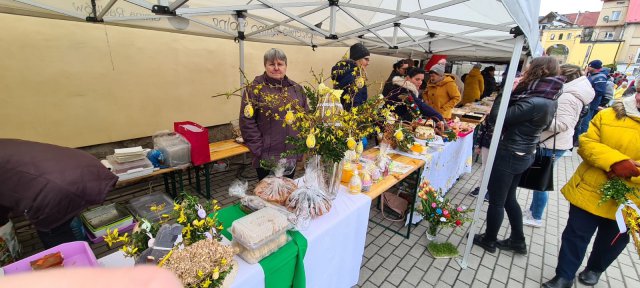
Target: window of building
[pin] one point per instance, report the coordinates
(560, 36)
(615, 15)
(553, 36)
(608, 35)
(569, 36)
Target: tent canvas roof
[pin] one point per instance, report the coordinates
(464, 29)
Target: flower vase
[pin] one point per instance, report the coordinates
(327, 176)
(432, 232)
(332, 173)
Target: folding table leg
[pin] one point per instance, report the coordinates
(413, 203)
(207, 177)
(197, 171)
(167, 189)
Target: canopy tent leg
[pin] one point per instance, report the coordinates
(241, 25)
(502, 111)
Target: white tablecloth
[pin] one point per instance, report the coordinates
(443, 165)
(335, 245)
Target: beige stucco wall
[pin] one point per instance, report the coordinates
(77, 84)
(629, 50)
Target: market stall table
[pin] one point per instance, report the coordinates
(335, 245)
(445, 164)
(335, 240)
(391, 180)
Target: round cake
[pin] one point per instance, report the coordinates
(425, 133)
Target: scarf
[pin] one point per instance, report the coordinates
(547, 87)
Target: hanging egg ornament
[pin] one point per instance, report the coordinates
(351, 144)
(399, 135)
(248, 110)
(360, 82)
(311, 140)
(289, 117)
(359, 147)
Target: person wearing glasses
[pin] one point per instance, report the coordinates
(399, 70)
(350, 75)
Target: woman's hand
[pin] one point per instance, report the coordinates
(624, 169)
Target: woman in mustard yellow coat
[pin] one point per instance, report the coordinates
(442, 92)
(609, 149)
(473, 85)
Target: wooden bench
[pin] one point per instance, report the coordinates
(173, 176)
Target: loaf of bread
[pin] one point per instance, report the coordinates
(275, 189)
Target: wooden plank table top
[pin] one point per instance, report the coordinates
(225, 149)
(392, 179)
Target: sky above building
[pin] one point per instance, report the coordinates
(569, 6)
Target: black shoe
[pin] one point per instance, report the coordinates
(518, 247)
(589, 277)
(475, 193)
(489, 246)
(558, 282)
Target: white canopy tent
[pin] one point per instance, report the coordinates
(474, 30)
(462, 29)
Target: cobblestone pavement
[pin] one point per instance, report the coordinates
(390, 260)
(393, 261)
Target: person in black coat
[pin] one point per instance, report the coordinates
(404, 94)
(350, 75)
(399, 69)
(489, 81)
(531, 108)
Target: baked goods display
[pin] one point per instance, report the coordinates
(48, 261)
(253, 256)
(259, 227)
(425, 133)
(275, 189)
(260, 233)
(308, 201)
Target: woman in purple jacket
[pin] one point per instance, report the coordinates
(263, 132)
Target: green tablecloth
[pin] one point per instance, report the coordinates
(283, 268)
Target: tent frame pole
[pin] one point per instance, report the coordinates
(241, 24)
(502, 112)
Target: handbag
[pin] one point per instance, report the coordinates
(539, 176)
(393, 205)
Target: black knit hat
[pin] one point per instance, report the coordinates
(358, 51)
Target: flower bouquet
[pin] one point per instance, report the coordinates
(628, 214)
(190, 248)
(440, 212)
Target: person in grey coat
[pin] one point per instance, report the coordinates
(262, 132)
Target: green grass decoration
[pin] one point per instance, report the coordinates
(442, 250)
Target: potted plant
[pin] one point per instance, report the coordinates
(439, 212)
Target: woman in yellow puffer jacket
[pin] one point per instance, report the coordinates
(442, 92)
(609, 149)
(473, 85)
